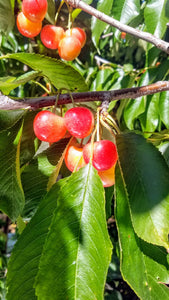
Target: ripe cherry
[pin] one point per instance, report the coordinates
(74, 156)
(69, 48)
(49, 127)
(79, 121)
(104, 154)
(79, 33)
(26, 27)
(35, 10)
(108, 177)
(51, 36)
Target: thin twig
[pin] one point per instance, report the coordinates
(162, 45)
(7, 103)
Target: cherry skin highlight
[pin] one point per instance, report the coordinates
(26, 27)
(51, 36)
(74, 156)
(69, 48)
(108, 177)
(49, 127)
(104, 154)
(35, 10)
(79, 121)
(79, 33)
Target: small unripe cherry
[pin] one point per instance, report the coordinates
(74, 156)
(26, 27)
(49, 127)
(108, 177)
(104, 154)
(79, 33)
(51, 35)
(35, 10)
(69, 48)
(79, 121)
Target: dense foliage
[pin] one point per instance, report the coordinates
(76, 239)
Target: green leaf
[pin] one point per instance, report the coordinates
(9, 118)
(132, 110)
(164, 108)
(146, 176)
(24, 261)
(6, 16)
(164, 149)
(125, 11)
(159, 9)
(50, 15)
(143, 266)
(11, 194)
(60, 74)
(9, 83)
(77, 251)
(98, 26)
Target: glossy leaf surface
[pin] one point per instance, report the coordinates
(146, 176)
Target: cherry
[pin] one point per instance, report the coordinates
(74, 156)
(79, 33)
(79, 121)
(26, 27)
(108, 177)
(104, 154)
(49, 127)
(35, 10)
(51, 36)
(69, 48)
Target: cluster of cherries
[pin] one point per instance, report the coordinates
(79, 122)
(29, 22)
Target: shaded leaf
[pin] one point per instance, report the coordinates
(146, 176)
(60, 74)
(143, 266)
(10, 118)
(164, 108)
(6, 16)
(77, 251)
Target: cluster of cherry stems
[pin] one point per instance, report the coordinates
(29, 23)
(79, 123)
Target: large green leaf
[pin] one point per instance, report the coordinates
(11, 194)
(24, 261)
(143, 266)
(146, 176)
(77, 251)
(6, 16)
(10, 118)
(156, 15)
(60, 74)
(97, 25)
(132, 110)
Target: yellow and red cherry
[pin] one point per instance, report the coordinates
(107, 177)
(51, 35)
(79, 33)
(74, 156)
(26, 27)
(79, 121)
(49, 127)
(104, 154)
(69, 48)
(35, 10)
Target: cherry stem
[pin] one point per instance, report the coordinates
(98, 124)
(42, 86)
(107, 126)
(56, 102)
(92, 144)
(112, 122)
(57, 14)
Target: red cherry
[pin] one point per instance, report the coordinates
(79, 33)
(104, 154)
(26, 27)
(49, 127)
(35, 10)
(74, 156)
(51, 36)
(69, 48)
(79, 121)
(108, 177)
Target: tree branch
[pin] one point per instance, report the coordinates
(162, 45)
(7, 103)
